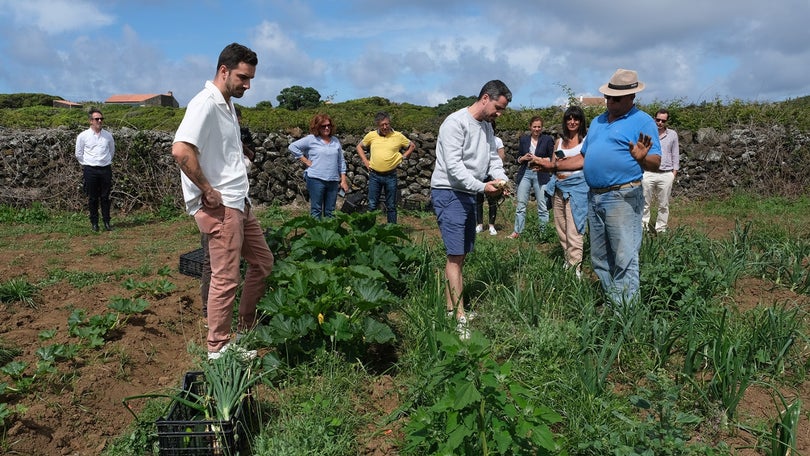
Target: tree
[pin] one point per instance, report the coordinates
(297, 97)
(454, 104)
(264, 104)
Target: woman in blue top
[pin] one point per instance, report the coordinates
(321, 153)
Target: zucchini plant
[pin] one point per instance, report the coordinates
(333, 283)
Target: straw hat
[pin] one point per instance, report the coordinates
(623, 82)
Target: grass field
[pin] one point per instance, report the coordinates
(362, 359)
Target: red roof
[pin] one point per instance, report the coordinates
(131, 98)
(592, 101)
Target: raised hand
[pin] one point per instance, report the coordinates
(639, 149)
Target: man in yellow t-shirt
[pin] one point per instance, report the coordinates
(385, 146)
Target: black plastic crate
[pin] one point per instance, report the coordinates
(416, 204)
(182, 433)
(191, 263)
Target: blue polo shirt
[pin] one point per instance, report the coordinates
(607, 148)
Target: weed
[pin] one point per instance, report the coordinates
(101, 249)
(140, 438)
(477, 408)
(317, 410)
(36, 214)
(158, 288)
(664, 429)
(18, 290)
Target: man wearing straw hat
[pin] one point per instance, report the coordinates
(621, 144)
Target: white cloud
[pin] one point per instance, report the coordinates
(57, 16)
(418, 51)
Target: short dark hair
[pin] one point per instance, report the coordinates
(535, 119)
(382, 115)
(495, 89)
(235, 53)
(663, 111)
(92, 111)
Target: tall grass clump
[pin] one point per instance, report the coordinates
(20, 290)
(318, 408)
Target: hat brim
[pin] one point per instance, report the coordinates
(617, 93)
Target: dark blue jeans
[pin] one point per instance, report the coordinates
(322, 197)
(97, 186)
(378, 182)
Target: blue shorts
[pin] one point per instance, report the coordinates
(455, 213)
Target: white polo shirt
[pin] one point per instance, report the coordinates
(210, 124)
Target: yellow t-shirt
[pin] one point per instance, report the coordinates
(384, 151)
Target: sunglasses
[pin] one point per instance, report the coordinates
(661, 120)
(326, 126)
(98, 119)
(614, 97)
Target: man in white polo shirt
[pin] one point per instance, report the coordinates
(208, 148)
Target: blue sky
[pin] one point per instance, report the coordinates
(415, 51)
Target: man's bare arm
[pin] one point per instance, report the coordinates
(185, 154)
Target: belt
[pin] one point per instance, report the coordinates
(387, 173)
(97, 167)
(632, 184)
(662, 171)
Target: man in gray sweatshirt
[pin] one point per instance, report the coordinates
(465, 155)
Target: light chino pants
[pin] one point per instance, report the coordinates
(231, 234)
(657, 187)
(570, 239)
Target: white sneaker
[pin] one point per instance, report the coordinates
(243, 353)
(492, 231)
(479, 228)
(462, 329)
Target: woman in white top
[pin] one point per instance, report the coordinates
(568, 189)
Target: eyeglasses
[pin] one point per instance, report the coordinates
(614, 97)
(98, 119)
(661, 120)
(326, 126)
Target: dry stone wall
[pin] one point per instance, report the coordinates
(39, 166)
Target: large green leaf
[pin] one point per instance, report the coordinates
(465, 395)
(283, 328)
(339, 326)
(377, 332)
(370, 294)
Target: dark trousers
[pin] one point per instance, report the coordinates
(376, 184)
(97, 186)
(479, 208)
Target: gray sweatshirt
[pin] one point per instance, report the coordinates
(465, 154)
